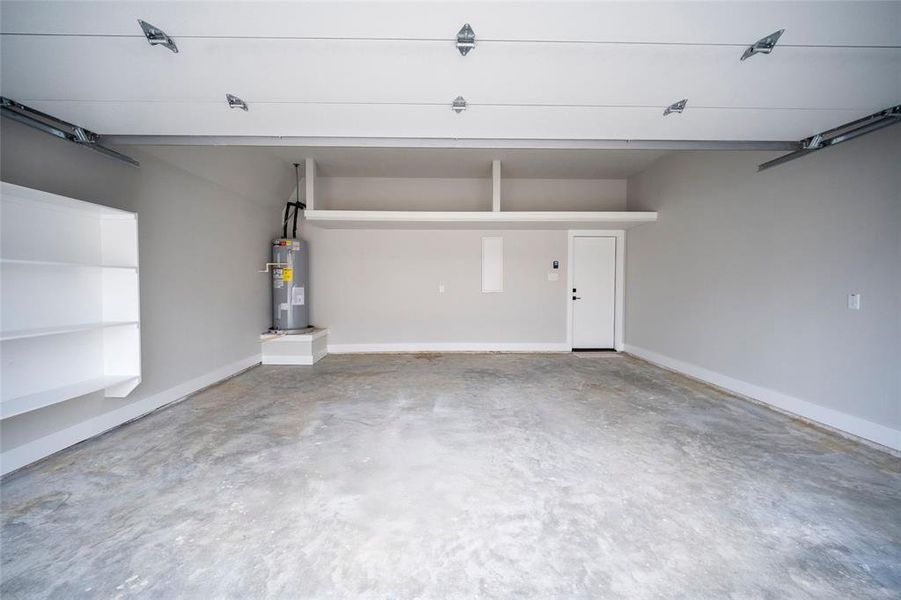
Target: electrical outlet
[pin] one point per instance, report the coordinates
(854, 301)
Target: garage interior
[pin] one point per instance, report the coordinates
(450, 299)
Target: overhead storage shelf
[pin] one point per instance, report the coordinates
(376, 219)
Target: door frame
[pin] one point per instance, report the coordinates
(619, 283)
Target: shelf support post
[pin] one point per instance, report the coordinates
(496, 186)
(309, 175)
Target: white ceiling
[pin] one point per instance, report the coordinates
(612, 68)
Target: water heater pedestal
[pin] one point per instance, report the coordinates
(295, 349)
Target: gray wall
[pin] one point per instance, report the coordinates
(563, 194)
(747, 274)
(203, 304)
(450, 194)
(381, 287)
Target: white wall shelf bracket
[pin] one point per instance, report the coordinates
(309, 176)
(496, 186)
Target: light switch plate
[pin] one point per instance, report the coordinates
(553, 275)
(440, 288)
(854, 301)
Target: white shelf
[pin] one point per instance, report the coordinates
(22, 334)
(28, 196)
(376, 219)
(56, 263)
(16, 406)
(69, 300)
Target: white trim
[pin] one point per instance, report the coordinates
(832, 419)
(620, 300)
(25, 454)
(448, 347)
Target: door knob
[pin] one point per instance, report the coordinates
(577, 298)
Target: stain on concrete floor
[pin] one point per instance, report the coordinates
(457, 476)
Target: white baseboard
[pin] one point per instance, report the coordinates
(830, 418)
(25, 454)
(448, 347)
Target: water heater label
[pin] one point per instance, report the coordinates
(287, 274)
(297, 296)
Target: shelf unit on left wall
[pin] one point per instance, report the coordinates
(69, 305)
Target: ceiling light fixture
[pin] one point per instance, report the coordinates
(156, 36)
(235, 102)
(466, 39)
(675, 107)
(459, 104)
(763, 46)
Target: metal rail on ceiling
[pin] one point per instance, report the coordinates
(57, 127)
(837, 135)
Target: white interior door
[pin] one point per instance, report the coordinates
(594, 292)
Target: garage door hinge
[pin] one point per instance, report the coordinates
(466, 39)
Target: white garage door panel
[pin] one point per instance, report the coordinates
(70, 68)
(84, 68)
(707, 75)
(836, 23)
(156, 118)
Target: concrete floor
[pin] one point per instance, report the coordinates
(457, 476)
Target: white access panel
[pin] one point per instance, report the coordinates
(69, 302)
(594, 292)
